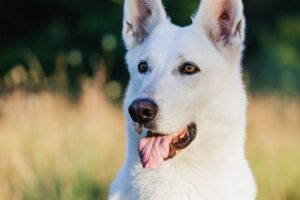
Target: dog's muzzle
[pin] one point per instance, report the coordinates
(157, 147)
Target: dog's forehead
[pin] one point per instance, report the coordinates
(170, 43)
(159, 43)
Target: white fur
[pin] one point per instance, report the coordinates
(213, 166)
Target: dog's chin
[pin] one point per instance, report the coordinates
(156, 147)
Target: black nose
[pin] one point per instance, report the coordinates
(143, 110)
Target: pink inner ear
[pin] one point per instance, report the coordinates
(222, 21)
(225, 21)
(144, 14)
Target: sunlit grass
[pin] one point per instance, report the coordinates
(274, 146)
(53, 149)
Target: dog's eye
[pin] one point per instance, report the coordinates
(189, 68)
(143, 67)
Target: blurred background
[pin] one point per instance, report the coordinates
(62, 80)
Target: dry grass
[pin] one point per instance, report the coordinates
(52, 149)
(274, 147)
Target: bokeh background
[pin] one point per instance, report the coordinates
(62, 80)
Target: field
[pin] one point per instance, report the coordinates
(53, 149)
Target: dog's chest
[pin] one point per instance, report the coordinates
(180, 185)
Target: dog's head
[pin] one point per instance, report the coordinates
(180, 75)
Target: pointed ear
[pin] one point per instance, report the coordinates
(223, 21)
(140, 18)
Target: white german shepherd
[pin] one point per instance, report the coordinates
(185, 105)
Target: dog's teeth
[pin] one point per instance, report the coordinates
(138, 128)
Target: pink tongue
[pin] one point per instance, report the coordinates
(153, 150)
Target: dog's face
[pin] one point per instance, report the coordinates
(176, 72)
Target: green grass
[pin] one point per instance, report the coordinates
(51, 149)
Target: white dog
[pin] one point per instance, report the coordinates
(185, 105)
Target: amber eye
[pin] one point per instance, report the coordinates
(189, 68)
(143, 67)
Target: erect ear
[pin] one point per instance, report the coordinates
(140, 18)
(223, 21)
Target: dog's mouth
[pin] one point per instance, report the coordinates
(156, 147)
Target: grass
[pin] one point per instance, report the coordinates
(52, 149)
(274, 146)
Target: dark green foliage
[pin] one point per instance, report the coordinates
(88, 36)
